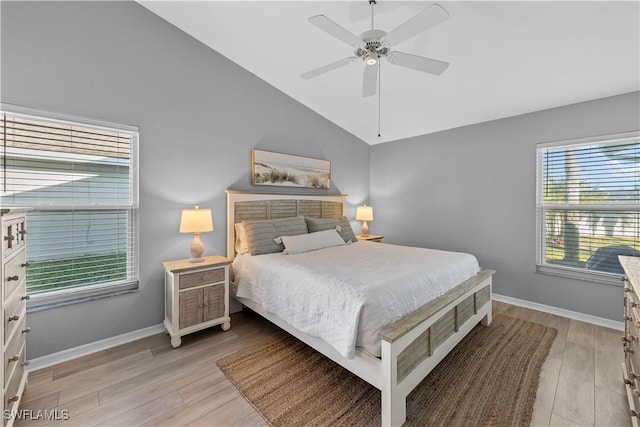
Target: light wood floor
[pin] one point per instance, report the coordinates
(149, 383)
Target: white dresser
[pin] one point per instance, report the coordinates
(631, 338)
(13, 375)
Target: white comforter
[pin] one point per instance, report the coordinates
(347, 294)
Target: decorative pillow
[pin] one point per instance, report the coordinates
(321, 224)
(261, 234)
(241, 239)
(311, 241)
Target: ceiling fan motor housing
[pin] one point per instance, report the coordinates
(373, 44)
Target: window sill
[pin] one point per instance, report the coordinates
(576, 274)
(61, 298)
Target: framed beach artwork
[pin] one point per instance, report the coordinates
(269, 168)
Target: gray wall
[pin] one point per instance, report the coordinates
(473, 189)
(199, 116)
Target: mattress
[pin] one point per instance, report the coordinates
(347, 294)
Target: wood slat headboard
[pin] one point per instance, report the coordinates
(251, 206)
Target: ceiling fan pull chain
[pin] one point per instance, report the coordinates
(379, 94)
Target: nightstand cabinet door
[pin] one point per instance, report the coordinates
(190, 308)
(214, 302)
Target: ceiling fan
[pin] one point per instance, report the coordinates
(374, 45)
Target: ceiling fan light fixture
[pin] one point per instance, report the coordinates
(371, 58)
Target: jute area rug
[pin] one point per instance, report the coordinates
(490, 378)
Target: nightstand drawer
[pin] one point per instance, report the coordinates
(14, 273)
(190, 280)
(370, 237)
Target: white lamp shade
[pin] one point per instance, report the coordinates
(364, 213)
(196, 221)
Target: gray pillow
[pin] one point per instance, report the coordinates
(321, 224)
(260, 234)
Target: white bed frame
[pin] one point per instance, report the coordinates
(412, 346)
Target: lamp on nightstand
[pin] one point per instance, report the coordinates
(196, 221)
(364, 213)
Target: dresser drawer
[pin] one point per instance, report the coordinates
(14, 349)
(632, 298)
(14, 273)
(632, 396)
(11, 396)
(14, 313)
(190, 280)
(13, 235)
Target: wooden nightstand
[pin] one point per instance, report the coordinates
(370, 237)
(196, 296)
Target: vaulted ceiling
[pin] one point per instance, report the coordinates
(506, 57)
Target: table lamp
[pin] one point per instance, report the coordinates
(196, 221)
(364, 213)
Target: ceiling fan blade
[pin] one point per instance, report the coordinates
(429, 17)
(335, 30)
(420, 63)
(326, 68)
(370, 80)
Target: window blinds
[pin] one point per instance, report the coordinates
(588, 201)
(81, 183)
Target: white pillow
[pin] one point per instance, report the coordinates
(311, 241)
(242, 246)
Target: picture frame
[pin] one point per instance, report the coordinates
(287, 170)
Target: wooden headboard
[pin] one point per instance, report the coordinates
(250, 206)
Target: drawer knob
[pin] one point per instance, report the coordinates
(26, 264)
(629, 338)
(13, 318)
(633, 304)
(10, 278)
(26, 330)
(13, 358)
(628, 350)
(25, 297)
(9, 238)
(13, 399)
(23, 232)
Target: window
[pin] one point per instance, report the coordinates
(588, 202)
(80, 181)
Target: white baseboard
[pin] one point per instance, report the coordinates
(600, 321)
(83, 350)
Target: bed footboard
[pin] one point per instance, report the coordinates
(414, 345)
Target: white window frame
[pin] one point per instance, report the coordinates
(61, 297)
(541, 207)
